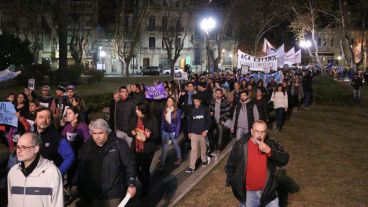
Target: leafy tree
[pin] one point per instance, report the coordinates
(14, 51)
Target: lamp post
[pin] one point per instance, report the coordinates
(208, 24)
(305, 44)
(102, 55)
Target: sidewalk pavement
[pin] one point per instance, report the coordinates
(173, 183)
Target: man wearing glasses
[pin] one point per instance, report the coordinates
(251, 167)
(35, 181)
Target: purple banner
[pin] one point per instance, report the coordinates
(156, 92)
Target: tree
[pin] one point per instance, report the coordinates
(172, 31)
(255, 19)
(305, 23)
(129, 21)
(214, 48)
(14, 51)
(62, 22)
(82, 26)
(352, 16)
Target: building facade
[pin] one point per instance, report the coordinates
(36, 21)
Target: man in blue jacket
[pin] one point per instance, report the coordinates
(199, 122)
(54, 146)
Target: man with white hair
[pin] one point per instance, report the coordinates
(106, 168)
(35, 181)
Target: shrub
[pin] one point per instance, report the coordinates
(71, 75)
(35, 71)
(98, 75)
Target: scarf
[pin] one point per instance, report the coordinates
(169, 110)
(139, 145)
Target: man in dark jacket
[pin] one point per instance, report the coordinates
(185, 104)
(205, 94)
(137, 93)
(245, 113)
(106, 168)
(357, 84)
(54, 146)
(199, 122)
(251, 167)
(307, 87)
(220, 111)
(125, 116)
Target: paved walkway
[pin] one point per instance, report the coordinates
(173, 183)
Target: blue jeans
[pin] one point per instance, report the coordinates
(307, 98)
(165, 140)
(279, 112)
(253, 200)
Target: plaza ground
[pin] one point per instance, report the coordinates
(327, 146)
(328, 159)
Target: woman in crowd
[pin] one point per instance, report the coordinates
(296, 92)
(75, 130)
(173, 90)
(77, 133)
(21, 105)
(262, 105)
(79, 103)
(170, 129)
(244, 84)
(144, 144)
(30, 117)
(280, 104)
(261, 87)
(32, 108)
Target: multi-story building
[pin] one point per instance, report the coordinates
(332, 47)
(100, 50)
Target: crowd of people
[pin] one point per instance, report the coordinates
(103, 159)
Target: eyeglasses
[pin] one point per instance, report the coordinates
(21, 148)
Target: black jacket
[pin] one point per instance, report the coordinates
(199, 120)
(206, 97)
(262, 106)
(117, 170)
(150, 123)
(250, 114)
(138, 97)
(224, 109)
(183, 104)
(125, 116)
(236, 167)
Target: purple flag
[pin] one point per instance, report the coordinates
(156, 92)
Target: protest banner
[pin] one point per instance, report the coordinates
(8, 74)
(181, 76)
(8, 114)
(257, 63)
(156, 92)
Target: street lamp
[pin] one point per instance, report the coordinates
(305, 44)
(208, 24)
(102, 55)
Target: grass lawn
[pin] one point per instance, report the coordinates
(328, 159)
(106, 86)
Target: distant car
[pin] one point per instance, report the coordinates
(167, 71)
(151, 70)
